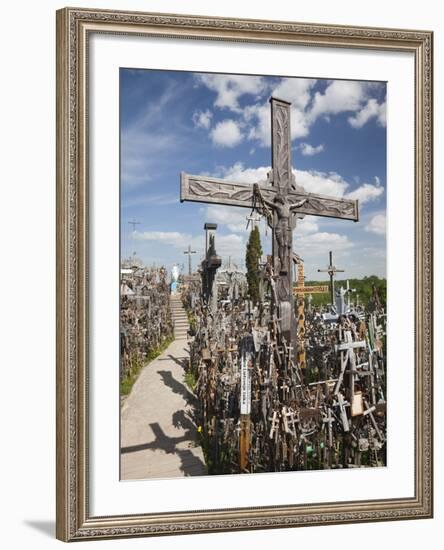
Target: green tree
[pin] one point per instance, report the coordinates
(252, 258)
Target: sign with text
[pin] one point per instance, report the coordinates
(321, 289)
(246, 367)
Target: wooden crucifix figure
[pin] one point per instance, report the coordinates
(282, 200)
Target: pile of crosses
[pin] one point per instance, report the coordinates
(145, 318)
(282, 388)
(265, 406)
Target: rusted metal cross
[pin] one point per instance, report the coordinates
(282, 200)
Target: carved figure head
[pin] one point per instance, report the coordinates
(279, 198)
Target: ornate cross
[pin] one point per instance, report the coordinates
(281, 199)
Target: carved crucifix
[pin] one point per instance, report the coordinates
(282, 198)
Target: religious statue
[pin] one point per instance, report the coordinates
(282, 223)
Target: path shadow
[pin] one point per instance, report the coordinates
(182, 361)
(189, 463)
(47, 527)
(177, 387)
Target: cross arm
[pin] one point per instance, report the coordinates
(219, 191)
(313, 204)
(215, 191)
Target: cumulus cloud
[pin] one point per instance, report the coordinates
(202, 119)
(226, 134)
(372, 109)
(307, 225)
(377, 224)
(166, 237)
(309, 150)
(296, 91)
(319, 242)
(324, 183)
(234, 218)
(366, 192)
(230, 88)
(240, 174)
(342, 96)
(339, 96)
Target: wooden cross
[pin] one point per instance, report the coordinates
(281, 199)
(254, 219)
(134, 223)
(189, 252)
(299, 291)
(331, 270)
(329, 420)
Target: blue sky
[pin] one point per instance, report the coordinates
(219, 125)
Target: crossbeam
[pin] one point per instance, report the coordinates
(219, 191)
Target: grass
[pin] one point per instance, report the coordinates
(137, 365)
(190, 380)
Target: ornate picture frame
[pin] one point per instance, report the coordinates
(74, 28)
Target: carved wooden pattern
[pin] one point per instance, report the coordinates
(212, 190)
(281, 145)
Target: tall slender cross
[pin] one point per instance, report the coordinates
(134, 223)
(189, 252)
(282, 200)
(254, 219)
(331, 270)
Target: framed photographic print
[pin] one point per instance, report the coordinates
(244, 274)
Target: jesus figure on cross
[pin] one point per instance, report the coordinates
(283, 223)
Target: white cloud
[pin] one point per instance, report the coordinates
(202, 119)
(321, 182)
(229, 88)
(344, 96)
(226, 245)
(309, 150)
(226, 133)
(377, 224)
(366, 192)
(339, 96)
(240, 174)
(307, 225)
(230, 245)
(296, 91)
(173, 238)
(319, 242)
(372, 109)
(234, 218)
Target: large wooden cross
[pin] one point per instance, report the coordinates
(281, 197)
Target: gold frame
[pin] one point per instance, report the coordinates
(73, 519)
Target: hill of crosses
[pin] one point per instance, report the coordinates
(278, 383)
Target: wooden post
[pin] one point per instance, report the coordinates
(244, 449)
(301, 317)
